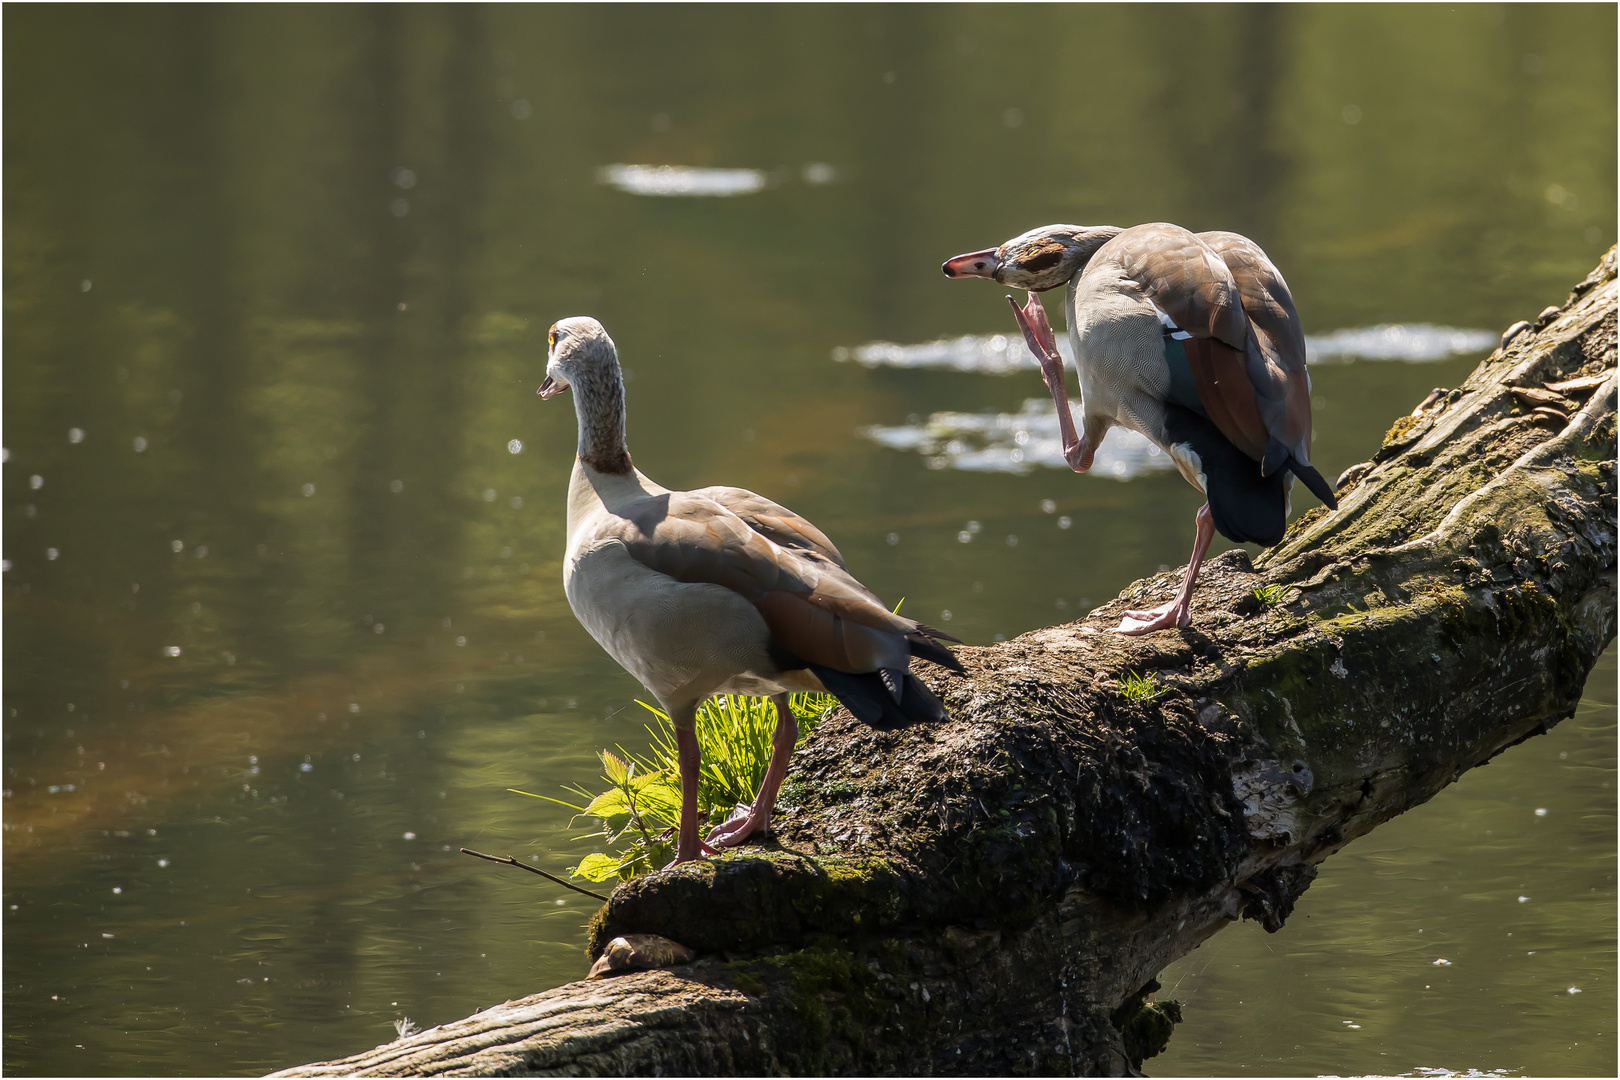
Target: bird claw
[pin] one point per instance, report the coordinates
(1169, 616)
(1038, 332)
(703, 849)
(738, 827)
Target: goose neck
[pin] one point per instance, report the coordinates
(599, 403)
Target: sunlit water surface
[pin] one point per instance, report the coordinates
(283, 515)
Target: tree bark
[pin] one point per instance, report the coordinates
(995, 893)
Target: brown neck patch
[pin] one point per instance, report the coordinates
(615, 462)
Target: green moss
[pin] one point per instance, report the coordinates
(1147, 1031)
(840, 791)
(744, 978)
(755, 899)
(835, 994)
(1399, 429)
(1144, 1026)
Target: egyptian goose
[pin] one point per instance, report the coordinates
(717, 591)
(1190, 339)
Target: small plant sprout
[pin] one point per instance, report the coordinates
(1270, 595)
(1136, 687)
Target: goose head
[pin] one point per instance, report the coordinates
(581, 357)
(1038, 260)
(578, 350)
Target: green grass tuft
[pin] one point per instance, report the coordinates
(640, 808)
(1270, 595)
(1136, 687)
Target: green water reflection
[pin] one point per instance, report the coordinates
(284, 622)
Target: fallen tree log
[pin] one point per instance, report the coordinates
(995, 894)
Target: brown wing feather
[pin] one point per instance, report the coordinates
(1279, 374)
(1221, 375)
(813, 633)
(773, 521)
(1183, 278)
(1188, 281)
(1264, 295)
(693, 539)
(814, 609)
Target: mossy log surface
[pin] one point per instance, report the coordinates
(995, 894)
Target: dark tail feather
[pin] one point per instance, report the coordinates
(1276, 457)
(929, 649)
(936, 634)
(863, 695)
(1313, 480)
(868, 699)
(920, 702)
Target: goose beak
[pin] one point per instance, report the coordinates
(551, 388)
(983, 264)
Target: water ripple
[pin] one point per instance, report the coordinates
(1016, 443)
(1410, 343)
(681, 180)
(1002, 354)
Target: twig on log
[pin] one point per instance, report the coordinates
(509, 861)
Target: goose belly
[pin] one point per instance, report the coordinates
(1119, 348)
(682, 641)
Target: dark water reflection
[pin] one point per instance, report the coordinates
(285, 620)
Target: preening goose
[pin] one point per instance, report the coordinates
(1190, 339)
(717, 591)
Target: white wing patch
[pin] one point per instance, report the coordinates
(1169, 324)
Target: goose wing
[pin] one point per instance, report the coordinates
(1184, 278)
(1285, 400)
(812, 606)
(1195, 292)
(773, 521)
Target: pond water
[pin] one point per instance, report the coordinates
(283, 514)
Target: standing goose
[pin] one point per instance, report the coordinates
(1190, 339)
(717, 591)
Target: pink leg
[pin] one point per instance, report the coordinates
(758, 818)
(1178, 612)
(1038, 333)
(687, 844)
(686, 749)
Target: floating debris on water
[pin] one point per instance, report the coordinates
(1003, 354)
(1016, 443)
(681, 180)
(1442, 962)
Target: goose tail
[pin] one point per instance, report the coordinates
(869, 698)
